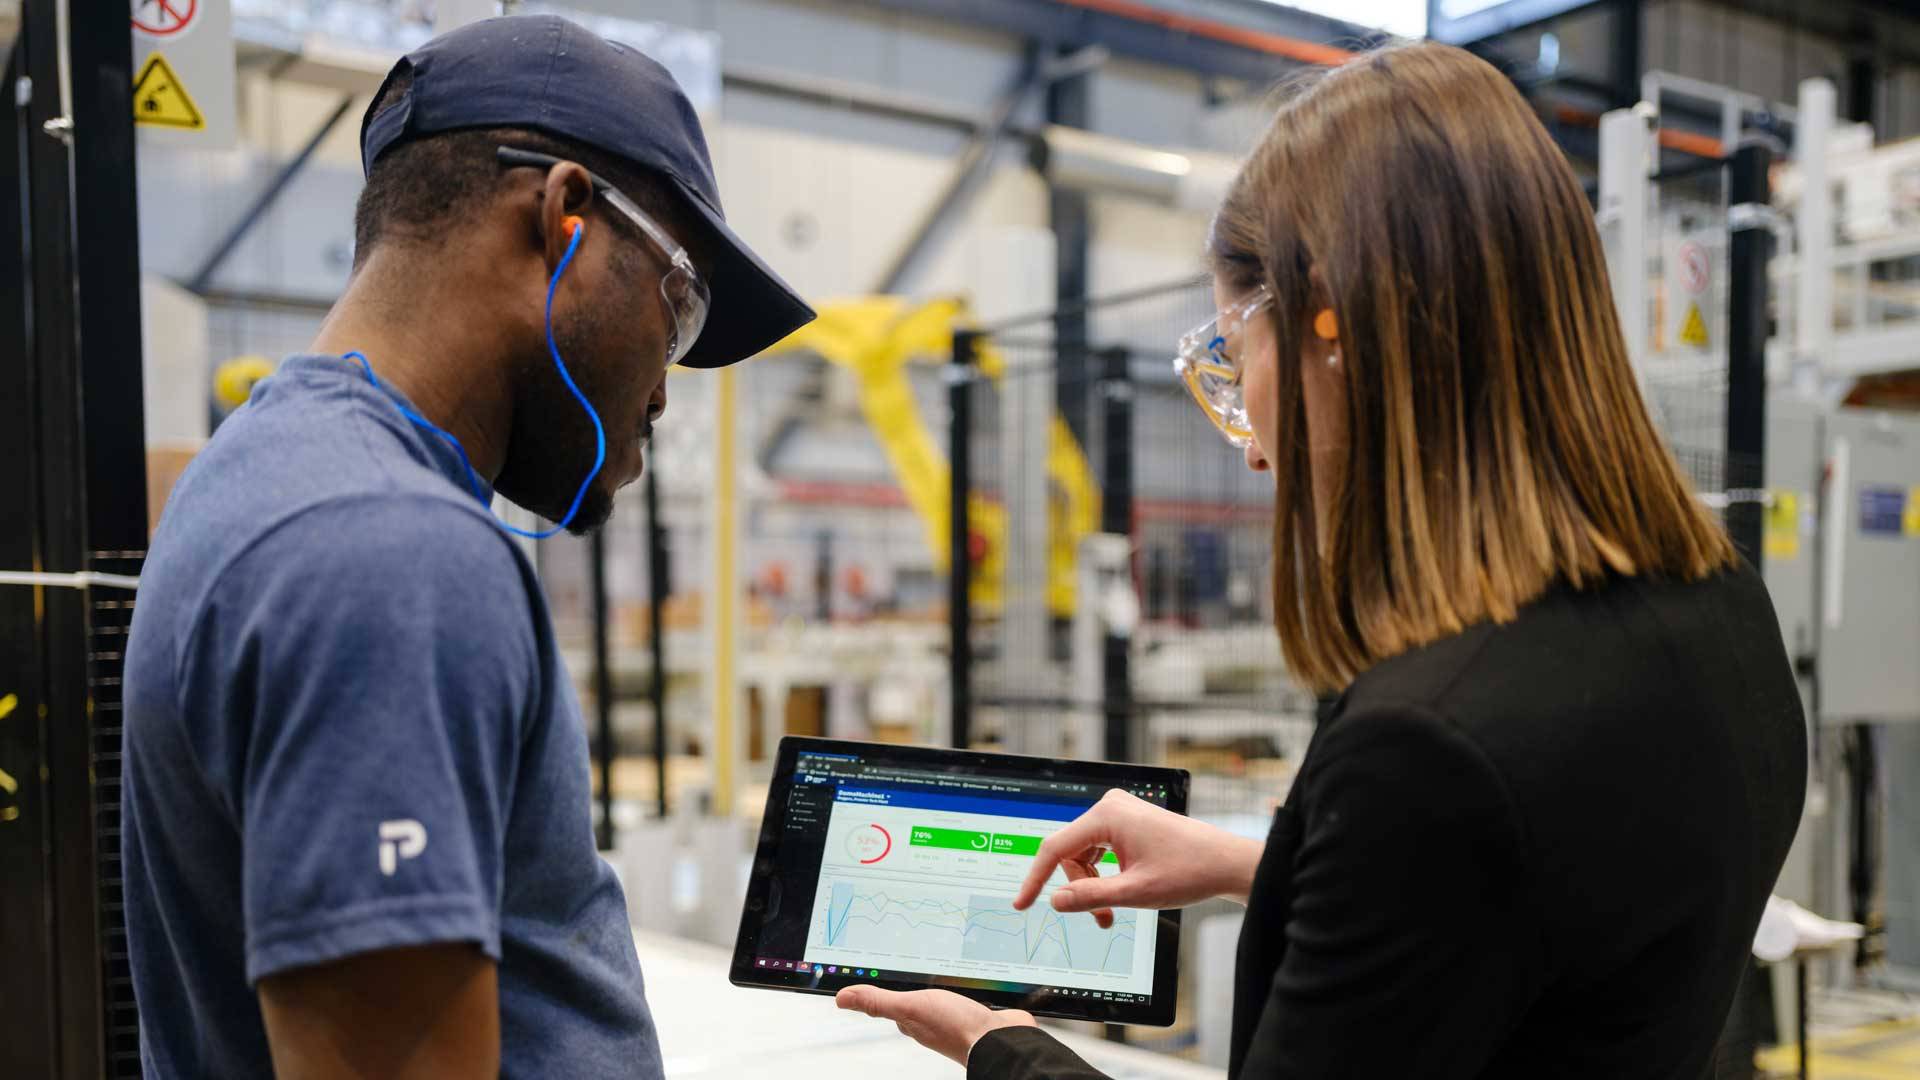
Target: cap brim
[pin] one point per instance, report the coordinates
(749, 307)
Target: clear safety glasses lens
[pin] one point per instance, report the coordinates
(1205, 363)
(687, 301)
(1216, 388)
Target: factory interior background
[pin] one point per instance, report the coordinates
(999, 209)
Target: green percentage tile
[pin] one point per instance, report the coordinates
(1016, 845)
(956, 839)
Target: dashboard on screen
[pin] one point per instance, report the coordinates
(898, 866)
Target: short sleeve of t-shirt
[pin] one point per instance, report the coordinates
(359, 683)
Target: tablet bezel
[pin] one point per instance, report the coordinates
(1157, 1010)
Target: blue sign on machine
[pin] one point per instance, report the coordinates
(1881, 510)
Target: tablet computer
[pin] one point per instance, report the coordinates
(897, 866)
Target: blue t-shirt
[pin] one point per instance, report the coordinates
(348, 729)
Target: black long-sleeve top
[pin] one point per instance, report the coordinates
(1529, 850)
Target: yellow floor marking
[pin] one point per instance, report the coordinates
(1852, 1055)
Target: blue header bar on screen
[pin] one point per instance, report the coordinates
(876, 795)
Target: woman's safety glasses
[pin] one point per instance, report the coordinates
(681, 288)
(1208, 361)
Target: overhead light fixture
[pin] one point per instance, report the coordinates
(1401, 18)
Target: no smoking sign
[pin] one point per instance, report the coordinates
(1696, 268)
(164, 18)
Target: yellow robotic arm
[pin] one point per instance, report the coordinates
(875, 338)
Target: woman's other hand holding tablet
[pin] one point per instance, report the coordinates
(1167, 860)
(940, 1020)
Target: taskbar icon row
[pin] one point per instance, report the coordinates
(808, 967)
(817, 969)
(1095, 995)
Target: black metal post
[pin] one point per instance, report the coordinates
(823, 576)
(1863, 83)
(1751, 247)
(26, 893)
(1864, 841)
(960, 378)
(1628, 52)
(1116, 518)
(1800, 1025)
(1068, 212)
(107, 228)
(107, 274)
(76, 988)
(602, 687)
(660, 586)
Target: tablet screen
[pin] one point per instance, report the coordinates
(899, 865)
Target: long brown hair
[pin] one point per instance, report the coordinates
(1498, 439)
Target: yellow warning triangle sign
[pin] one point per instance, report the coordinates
(158, 98)
(1694, 330)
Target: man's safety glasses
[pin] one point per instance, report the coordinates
(1208, 360)
(685, 294)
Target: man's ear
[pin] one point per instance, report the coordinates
(567, 193)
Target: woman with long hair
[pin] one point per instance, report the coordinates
(1534, 835)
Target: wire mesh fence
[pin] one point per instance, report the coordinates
(1686, 369)
(1117, 552)
(1689, 321)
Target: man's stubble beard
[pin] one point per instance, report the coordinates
(551, 447)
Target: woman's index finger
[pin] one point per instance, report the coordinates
(1083, 832)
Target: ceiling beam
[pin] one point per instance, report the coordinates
(1222, 42)
(1894, 24)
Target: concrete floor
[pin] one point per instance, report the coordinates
(711, 1029)
(1889, 1050)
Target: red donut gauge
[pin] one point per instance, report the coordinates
(869, 844)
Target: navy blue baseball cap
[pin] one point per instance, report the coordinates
(550, 75)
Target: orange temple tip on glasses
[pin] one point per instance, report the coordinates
(1325, 326)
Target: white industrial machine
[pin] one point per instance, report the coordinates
(1841, 488)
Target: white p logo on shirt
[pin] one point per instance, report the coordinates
(401, 839)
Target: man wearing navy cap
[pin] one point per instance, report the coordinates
(358, 837)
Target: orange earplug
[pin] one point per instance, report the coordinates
(1325, 326)
(573, 223)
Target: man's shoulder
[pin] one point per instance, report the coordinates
(403, 541)
(349, 587)
(308, 488)
(368, 557)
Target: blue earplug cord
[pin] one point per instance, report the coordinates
(599, 432)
